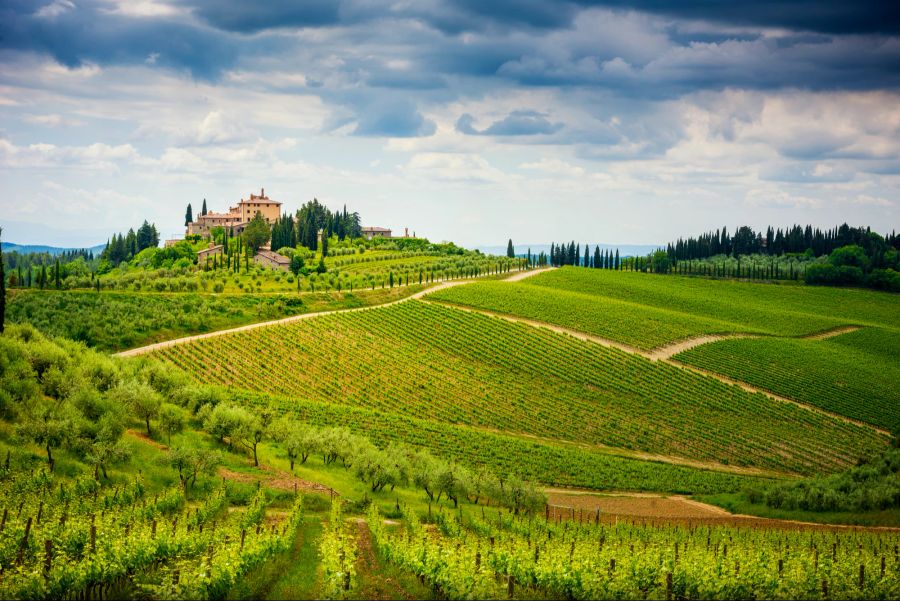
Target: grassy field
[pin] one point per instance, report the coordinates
(116, 321)
(857, 378)
(458, 367)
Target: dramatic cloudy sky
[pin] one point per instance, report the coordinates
(472, 120)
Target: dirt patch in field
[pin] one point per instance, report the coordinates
(585, 506)
(655, 509)
(278, 479)
(142, 436)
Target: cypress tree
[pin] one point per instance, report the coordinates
(510, 251)
(56, 276)
(617, 259)
(587, 256)
(188, 215)
(203, 210)
(43, 276)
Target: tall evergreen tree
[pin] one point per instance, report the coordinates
(617, 259)
(56, 275)
(510, 251)
(203, 210)
(188, 215)
(587, 256)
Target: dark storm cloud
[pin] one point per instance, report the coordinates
(517, 123)
(248, 17)
(825, 16)
(82, 32)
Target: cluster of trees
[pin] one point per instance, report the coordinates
(563, 254)
(59, 395)
(851, 265)
(873, 484)
(42, 270)
(796, 239)
(124, 247)
(314, 216)
(380, 469)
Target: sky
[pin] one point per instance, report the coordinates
(607, 121)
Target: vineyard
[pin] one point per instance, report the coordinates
(785, 310)
(63, 539)
(116, 321)
(499, 555)
(417, 359)
(623, 321)
(833, 375)
(549, 462)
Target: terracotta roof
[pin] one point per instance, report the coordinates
(273, 256)
(375, 229)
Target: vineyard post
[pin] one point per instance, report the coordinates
(612, 565)
(780, 566)
(40, 511)
(510, 585)
(669, 586)
(153, 529)
(93, 536)
(24, 544)
(882, 566)
(48, 557)
(477, 560)
(862, 576)
(3, 520)
(824, 588)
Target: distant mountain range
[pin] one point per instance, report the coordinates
(53, 250)
(625, 250)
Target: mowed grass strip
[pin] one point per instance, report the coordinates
(784, 310)
(835, 376)
(627, 322)
(457, 367)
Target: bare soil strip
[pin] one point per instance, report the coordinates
(274, 478)
(832, 333)
(670, 350)
(582, 505)
(141, 350)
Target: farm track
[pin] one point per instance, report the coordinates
(141, 350)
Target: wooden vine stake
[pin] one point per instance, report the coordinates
(669, 586)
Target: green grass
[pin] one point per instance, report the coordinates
(422, 359)
(116, 321)
(774, 309)
(835, 376)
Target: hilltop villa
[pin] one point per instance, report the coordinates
(238, 216)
